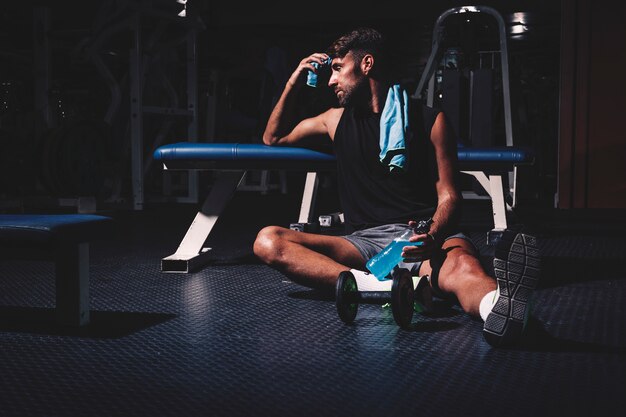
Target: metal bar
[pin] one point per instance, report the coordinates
(375, 297)
(430, 69)
(498, 202)
(494, 187)
(513, 187)
(167, 110)
(41, 68)
(192, 106)
(190, 253)
(72, 284)
(308, 197)
(506, 94)
(211, 105)
(136, 116)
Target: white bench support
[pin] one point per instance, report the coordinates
(494, 186)
(309, 196)
(191, 254)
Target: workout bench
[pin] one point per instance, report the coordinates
(232, 160)
(63, 239)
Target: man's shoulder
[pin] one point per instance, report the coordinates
(333, 115)
(336, 111)
(331, 119)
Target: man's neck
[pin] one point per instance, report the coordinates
(379, 95)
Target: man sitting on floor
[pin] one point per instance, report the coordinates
(396, 164)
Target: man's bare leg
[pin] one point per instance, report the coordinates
(460, 272)
(308, 259)
(505, 298)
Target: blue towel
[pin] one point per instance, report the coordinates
(394, 128)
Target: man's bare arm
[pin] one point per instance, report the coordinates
(448, 210)
(283, 126)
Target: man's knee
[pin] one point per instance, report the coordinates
(268, 244)
(454, 266)
(462, 262)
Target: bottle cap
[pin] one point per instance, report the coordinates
(423, 226)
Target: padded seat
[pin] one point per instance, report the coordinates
(194, 155)
(495, 157)
(215, 156)
(63, 239)
(48, 229)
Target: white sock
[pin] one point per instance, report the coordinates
(368, 282)
(487, 303)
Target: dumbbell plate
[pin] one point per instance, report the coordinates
(402, 298)
(346, 297)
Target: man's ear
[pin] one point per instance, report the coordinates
(367, 63)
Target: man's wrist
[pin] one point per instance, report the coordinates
(433, 235)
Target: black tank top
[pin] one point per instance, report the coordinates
(371, 195)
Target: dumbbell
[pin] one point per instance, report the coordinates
(401, 297)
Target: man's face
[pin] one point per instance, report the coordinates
(346, 79)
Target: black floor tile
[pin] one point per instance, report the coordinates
(236, 338)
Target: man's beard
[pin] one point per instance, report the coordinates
(356, 95)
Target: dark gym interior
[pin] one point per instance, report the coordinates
(91, 89)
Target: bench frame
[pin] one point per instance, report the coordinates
(68, 252)
(71, 270)
(191, 253)
(71, 266)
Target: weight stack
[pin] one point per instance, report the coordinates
(481, 107)
(454, 92)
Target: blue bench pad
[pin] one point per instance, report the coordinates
(185, 155)
(52, 228)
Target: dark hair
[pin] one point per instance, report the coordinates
(360, 42)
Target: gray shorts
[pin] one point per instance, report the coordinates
(371, 241)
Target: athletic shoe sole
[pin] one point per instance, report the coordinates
(516, 266)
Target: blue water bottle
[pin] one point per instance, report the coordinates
(381, 264)
(311, 79)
